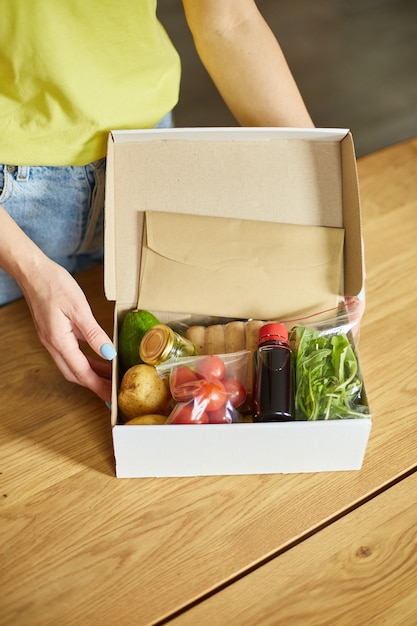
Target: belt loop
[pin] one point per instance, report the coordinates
(23, 173)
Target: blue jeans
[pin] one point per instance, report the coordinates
(60, 209)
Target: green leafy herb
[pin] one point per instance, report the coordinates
(328, 381)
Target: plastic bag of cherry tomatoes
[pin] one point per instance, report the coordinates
(208, 389)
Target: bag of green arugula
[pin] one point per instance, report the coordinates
(328, 381)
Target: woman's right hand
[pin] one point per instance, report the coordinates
(60, 311)
(63, 319)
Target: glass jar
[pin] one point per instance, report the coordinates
(160, 343)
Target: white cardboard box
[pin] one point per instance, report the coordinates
(304, 177)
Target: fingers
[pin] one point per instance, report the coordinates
(63, 318)
(84, 370)
(88, 329)
(61, 338)
(76, 367)
(101, 368)
(107, 351)
(88, 372)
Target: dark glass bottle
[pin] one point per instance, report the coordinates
(273, 377)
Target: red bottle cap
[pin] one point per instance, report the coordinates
(273, 332)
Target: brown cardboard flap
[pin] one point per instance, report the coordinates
(238, 268)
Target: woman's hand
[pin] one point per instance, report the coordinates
(63, 318)
(60, 311)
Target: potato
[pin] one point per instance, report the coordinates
(144, 420)
(143, 392)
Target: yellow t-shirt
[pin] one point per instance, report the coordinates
(72, 70)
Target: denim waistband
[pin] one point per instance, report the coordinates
(21, 172)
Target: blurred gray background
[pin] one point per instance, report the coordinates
(354, 62)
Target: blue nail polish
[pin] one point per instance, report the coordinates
(108, 405)
(108, 351)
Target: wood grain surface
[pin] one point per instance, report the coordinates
(359, 570)
(79, 546)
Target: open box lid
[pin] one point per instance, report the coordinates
(288, 176)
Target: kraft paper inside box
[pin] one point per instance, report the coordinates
(235, 223)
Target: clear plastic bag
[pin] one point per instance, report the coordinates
(209, 389)
(328, 379)
(328, 382)
(345, 318)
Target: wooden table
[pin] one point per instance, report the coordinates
(80, 547)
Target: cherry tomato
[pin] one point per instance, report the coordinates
(184, 384)
(225, 415)
(211, 367)
(220, 416)
(235, 390)
(212, 395)
(188, 413)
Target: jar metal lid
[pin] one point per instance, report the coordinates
(156, 344)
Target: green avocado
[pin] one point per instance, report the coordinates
(134, 325)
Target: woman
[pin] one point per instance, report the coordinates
(71, 72)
